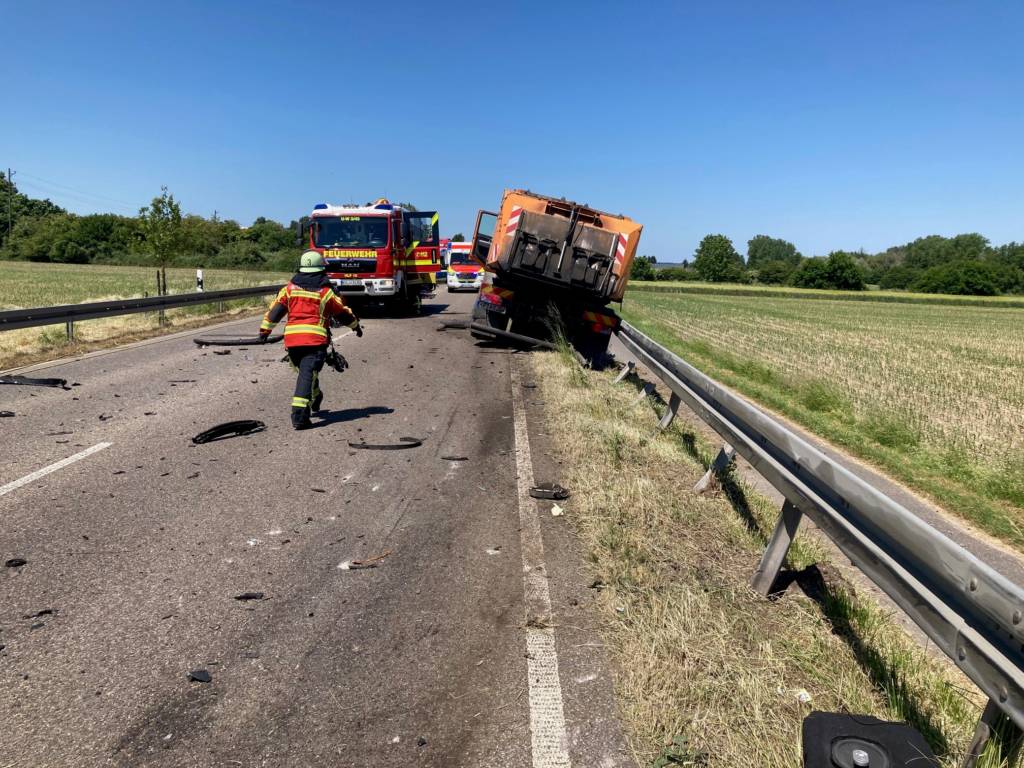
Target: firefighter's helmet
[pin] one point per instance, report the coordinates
(311, 261)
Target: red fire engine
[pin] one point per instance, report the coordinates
(380, 252)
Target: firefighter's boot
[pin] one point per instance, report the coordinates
(300, 418)
(316, 404)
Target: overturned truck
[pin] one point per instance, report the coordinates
(553, 267)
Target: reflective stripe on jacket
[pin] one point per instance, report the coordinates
(310, 307)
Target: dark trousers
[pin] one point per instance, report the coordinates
(309, 361)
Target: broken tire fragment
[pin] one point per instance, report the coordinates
(549, 491)
(404, 442)
(29, 382)
(229, 429)
(249, 596)
(16, 562)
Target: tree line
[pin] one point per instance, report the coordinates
(966, 264)
(160, 235)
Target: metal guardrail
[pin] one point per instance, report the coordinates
(71, 313)
(970, 611)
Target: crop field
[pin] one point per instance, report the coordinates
(24, 284)
(932, 394)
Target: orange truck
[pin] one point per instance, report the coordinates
(552, 267)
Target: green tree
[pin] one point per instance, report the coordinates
(840, 271)
(717, 261)
(762, 249)
(775, 272)
(160, 225)
(458, 237)
(971, 278)
(642, 268)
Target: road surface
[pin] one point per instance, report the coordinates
(138, 542)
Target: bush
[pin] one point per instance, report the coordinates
(675, 274)
(775, 272)
(717, 261)
(898, 278)
(963, 278)
(838, 272)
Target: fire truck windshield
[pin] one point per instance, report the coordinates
(351, 232)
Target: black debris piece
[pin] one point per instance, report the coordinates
(229, 429)
(318, 490)
(222, 351)
(149, 413)
(15, 562)
(404, 442)
(40, 614)
(38, 625)
(193, 476)
(454, 324)
(421, 742)
(529, 385)
(455, 458)
(549, 491)
(63, 432)
(118, 472)
(200, 676)
(230, 341)
(29, 382)
(181, 381)
(249, 596)
(6, 414)
(105, 417)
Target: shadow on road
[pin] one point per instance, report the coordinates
(326, 418)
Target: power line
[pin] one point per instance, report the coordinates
(75, 196)
(76, 191)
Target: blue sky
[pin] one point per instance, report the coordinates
(832, 124)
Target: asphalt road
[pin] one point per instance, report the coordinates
(136, 552)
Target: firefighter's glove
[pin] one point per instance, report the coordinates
(359, 330)
(264, 335)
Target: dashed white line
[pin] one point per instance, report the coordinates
(547, 716)
(30, 478)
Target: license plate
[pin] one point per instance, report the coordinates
(499, 308)
(351, 282)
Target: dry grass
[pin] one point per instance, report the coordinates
(25, 284)
(709, 673)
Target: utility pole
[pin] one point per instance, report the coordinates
(10, 201)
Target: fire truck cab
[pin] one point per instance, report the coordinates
(380, 252)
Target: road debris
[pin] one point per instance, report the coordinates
(369, 562)
(6, 414)
(222, 351)
(460, 325)
(318, 490)
(404, 442)
(229, 429)
(230, 341)
(549, 491)
(15, 562)
(455, 458)
(200, 676)
(493, 551)
(29, 382)
(249, 596)
(556, 511)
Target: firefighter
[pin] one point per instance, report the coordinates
(311, 304)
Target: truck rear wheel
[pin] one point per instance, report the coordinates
(594, 348)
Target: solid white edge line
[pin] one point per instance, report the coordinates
(15, 484)
(547, 716)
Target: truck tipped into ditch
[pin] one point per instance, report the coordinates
(553, 267)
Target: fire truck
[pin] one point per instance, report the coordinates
(379, 252)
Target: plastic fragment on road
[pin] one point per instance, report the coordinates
(455, 458)
(460, 325)
(549, 491)
(556, 511)
(229, 429)
(30, 382)
(369, 562)
(6, 414)
(200, 676)
(403, 442)
(231, 341)
(15, 562)
(249, 596)
(222, 351)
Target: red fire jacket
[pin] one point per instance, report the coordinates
(310, 303)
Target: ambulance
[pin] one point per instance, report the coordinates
(464, 272)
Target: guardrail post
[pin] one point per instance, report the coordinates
(993, 726)
(646, 392)
(69, 326)
(722, 460)
(670, 412)
(775, 553)
(627, 369)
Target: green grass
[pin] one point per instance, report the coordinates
(932, 394)
(778, 291)
(26, 284)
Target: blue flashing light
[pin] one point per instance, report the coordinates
(385, 207)
(320, 206)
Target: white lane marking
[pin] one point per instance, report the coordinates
(16, 484)
(547, 715)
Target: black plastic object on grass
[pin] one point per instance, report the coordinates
(844, 741)
(404, 442)
(229, 429)
(30, 382)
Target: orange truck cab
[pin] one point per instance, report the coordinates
(464, 272)
(378, 252)
(553, 267)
